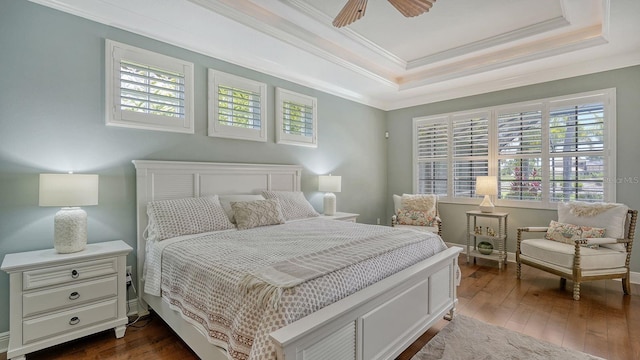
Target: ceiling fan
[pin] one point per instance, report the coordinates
(354, 10)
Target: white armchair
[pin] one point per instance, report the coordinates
(418, 212)
(590, 241)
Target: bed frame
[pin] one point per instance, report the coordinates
(377, 322)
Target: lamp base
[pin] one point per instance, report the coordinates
(329, 204)
(70, 230)
(486, 206)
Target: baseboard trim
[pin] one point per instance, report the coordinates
(4, 342)
(634, 277)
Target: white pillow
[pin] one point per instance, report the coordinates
(171, 218)
(293, 203)
(226, 200)
(610, 216)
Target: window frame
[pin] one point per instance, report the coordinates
(115, 52)
(283, 137)
(606, 96)
(214, 128)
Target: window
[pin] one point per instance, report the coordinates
(237, 107)
(542, 152)
(295, 119)
(146, 90)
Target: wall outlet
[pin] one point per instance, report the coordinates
(378, 221)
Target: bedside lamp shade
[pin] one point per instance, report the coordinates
(69, 191)
(486, 185)
(329, 184)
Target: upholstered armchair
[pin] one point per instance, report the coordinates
(417, 212)
(590, 241)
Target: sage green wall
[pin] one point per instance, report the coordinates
(52, 120)
(627, 84)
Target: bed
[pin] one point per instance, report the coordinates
(356, 326)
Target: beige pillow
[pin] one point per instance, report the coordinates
(225, 201)
(420, 202)
(415, 217)
(250, 214)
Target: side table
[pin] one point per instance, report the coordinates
(498, 238)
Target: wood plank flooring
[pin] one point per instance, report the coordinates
(603, 323)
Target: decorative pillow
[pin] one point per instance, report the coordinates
(171, 218)
(250, 214)
(567, 233)
(415, 217)
(420, 202)
(225, 201)
(610, 216)
(294, 204)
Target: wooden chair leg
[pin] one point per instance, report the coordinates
(519, 270)
(576, 290)
(626, 285)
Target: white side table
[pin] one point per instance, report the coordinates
(342, 216)
(54, 298)
(498, 254)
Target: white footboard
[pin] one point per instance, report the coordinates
(380, 321)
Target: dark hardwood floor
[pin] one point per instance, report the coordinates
(604, 322)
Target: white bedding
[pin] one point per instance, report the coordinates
(200, 276)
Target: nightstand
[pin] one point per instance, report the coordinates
(342, 216)
(498, 238)
(54, 298)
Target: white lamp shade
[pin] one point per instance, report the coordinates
(68, 190)
(487, 185)
(328, 183)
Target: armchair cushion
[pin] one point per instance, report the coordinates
(561, 254)
(610, 216)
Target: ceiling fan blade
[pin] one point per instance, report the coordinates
(411, 8)
(352, 11)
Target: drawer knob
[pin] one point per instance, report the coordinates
(74, 320)
(74, 273)
(74, 295)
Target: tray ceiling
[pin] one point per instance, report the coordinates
(458, 48)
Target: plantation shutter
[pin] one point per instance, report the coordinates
(432, 151)
(151, 90)
(297, 119)
(239, 107)
(576, 146)
(470, 152)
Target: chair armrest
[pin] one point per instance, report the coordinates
(394, 220)
(534, 229)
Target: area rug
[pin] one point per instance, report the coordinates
(467, 338)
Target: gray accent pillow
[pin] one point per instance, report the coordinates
(171, 218)
(294, 204)
(250, 214)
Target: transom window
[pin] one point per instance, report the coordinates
(542, 152)
(296, 122)
(147, 90)
(237, 107)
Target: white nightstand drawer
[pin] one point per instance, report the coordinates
(73, 294)
(34, 279)
(70, 320)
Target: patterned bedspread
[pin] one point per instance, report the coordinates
(201, 275)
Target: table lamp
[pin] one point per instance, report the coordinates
(69, 191)
(330, 185)
(486, 185)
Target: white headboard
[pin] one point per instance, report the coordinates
(163, 180)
